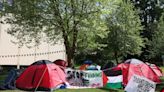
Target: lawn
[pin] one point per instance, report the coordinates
(88, 90)
(74, 90)
(158, 88)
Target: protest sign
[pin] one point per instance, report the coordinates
(87, 78)
(140, 84)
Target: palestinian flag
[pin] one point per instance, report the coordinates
(114, 79)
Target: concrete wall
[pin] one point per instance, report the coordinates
(10, 54)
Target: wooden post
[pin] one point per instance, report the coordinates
(48, 51)
(18, 58)
(0, 30)
(35, 53)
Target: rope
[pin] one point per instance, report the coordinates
(106, 69)
(40, 79)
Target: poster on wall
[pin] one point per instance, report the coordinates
(140, 84)
(86, 78)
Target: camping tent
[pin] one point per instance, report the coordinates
(89, 66)
(9, 82)
(86, 64)
(136, 67)
(42, 75)
(61, 63)
(156, 69)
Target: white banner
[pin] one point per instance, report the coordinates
(88, 78)
(140, 84)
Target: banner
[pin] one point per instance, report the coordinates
(86, 78)
(140, 84)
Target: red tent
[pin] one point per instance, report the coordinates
(136, 67)
(41, 75)
(162, 90)
(156, 69)
(61, 63)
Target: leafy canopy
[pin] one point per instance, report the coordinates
(157, 43)
(124, 26)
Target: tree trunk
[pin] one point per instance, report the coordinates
(70, 60)
(70, 49)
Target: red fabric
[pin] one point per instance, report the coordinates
(162, 90)
(49, 76)
(60, 62)
(105, 79)
(156, 69)
(128, 70)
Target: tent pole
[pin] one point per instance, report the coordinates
(40, 80)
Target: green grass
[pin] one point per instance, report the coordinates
(89, 90)
(81, 90)
(75, 90)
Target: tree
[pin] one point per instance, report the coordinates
(64, 19)
(124, 26)
(149, 12)
(89, 44)
(157, 43)
(92, 46)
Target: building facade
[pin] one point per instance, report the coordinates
(10, 54)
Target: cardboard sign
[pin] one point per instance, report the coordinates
(140, 84)
(88, 78)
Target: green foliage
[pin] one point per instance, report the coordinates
(124, 26)
(88, 38)
(74, 21)
(149, 12)
(157, 43)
